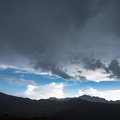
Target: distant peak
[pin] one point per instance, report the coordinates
(93, 99)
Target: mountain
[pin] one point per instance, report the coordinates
(87, 98)
(97, 99)
(26, 107)
(93, 99)
(61, 99)
(76, 108)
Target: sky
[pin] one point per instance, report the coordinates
(60, 48)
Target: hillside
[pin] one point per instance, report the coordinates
(76, 108)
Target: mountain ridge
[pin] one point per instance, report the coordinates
(74, 108)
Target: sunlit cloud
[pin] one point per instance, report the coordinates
(44, 91)
(108, 95)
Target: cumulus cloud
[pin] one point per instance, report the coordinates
(108, 95)
(44, 91)
(51, 36)
(17, 82)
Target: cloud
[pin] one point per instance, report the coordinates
(114, 68)
(55, 71)
(2, 90)
(93, 64)
(17, 82)
(80, 77)
(92, 92)
(108, 95)
(97, 75)
(44, 91)
(58, 35)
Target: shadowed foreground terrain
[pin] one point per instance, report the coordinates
(76, 109)
(10, 117)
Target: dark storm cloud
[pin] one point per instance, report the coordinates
(80, 77)
(52, 33)
(61, 73)
(93, 64)
(54, 70)
(114, 68)
(79, 72)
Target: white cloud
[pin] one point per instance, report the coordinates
(44, 91)
(80, 93)
(18, 82)
(2, 67)
(96, 75)
(108, 95)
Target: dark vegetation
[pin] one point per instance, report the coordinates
(76, 109)
(11, 117)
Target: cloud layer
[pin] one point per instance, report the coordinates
(61, 37)
(17, 82)
(44, 91)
